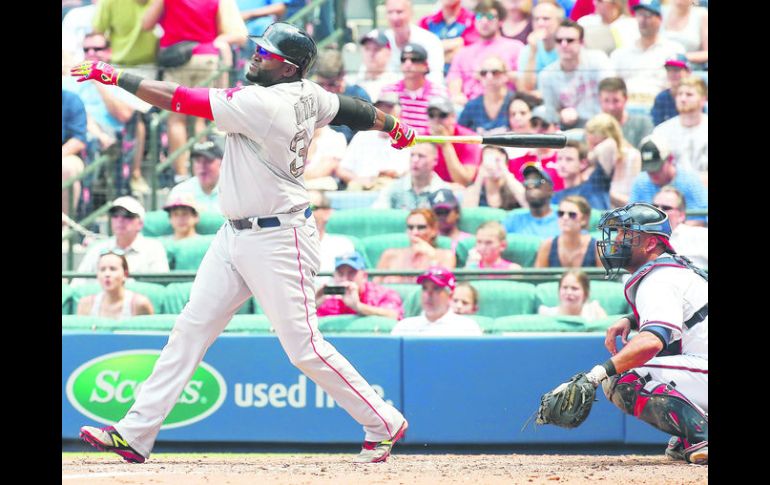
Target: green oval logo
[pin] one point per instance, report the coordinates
(104, 388)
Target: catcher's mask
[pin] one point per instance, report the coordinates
(633, 219)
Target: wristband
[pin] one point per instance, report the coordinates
(632, 318)
(610, 368)
(129, 82)
(390, 123)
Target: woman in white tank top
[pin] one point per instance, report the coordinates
(114, 301)
(688, 25)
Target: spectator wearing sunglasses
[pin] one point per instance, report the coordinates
(571, 85)
(457, 162)
(462, 81)
(574, 247)
(487, 113)
(447, 209)
(114, 301)
(688, 240)
(541, 220)
(422, 252)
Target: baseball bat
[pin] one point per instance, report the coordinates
(501, 139)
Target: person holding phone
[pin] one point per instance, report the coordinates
(350, 292)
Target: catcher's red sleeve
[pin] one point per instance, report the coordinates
(192, 101)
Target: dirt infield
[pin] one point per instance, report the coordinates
(404, 468)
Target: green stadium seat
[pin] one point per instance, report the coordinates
(472, 217)
(374, 246)
(501, 297)
(178, 294)
(355, 324)
(593, 222)
(609, 294)
(87, 323)
(156, 223)
(521, 249)
(249, 324)
(601, 325)
(487, 324)
(155, 323)
(66, 300)
(209, 223)
(410, 297)
(367, 222)
(154, 291)
(187, 254)
(538, 323)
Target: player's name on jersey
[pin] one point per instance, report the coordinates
(279, 395)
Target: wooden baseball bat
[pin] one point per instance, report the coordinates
(501, 139)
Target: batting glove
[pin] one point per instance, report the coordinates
(96, 70)
(402, 135)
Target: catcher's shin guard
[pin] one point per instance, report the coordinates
(658, 404)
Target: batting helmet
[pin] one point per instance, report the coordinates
(290, 42)
(633, 219)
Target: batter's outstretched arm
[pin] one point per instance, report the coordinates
(359, 114)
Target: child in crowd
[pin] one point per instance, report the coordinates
(490, 245)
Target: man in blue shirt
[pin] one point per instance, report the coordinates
(658, 170)
(541, 220)
(73, 144)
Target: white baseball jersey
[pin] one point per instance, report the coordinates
(268, 134)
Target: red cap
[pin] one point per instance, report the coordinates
(439, 275)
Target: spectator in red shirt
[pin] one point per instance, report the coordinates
(457, 162)
(453, 24)
(361, 297)
(544, 119)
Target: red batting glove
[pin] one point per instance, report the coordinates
(402, 135)
(96, 70)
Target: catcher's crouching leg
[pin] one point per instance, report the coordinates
(658, 404)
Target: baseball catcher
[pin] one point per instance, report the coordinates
(661, 375)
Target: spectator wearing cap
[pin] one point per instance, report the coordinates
(413, 189)
(463, 80)
(330, 75)
(687, 23)
(541, 220)
(664, 107)
(362, 297)
(369, 163)
(183, 215)
(641, 64)
(144, 255)
(457, 162)
(402, 32)
(570, 85)
(609, 27)
(453, 24)
(581, 177)
(613, 96)
(687, 134)
(415, 89)
(490, 244)
(331, 246)
(437, 317)
(541, 44)
(203, 185)
(659, 170)
(447, 210)
(688, 240)
(373, 73)
(543, 120)
(487, 113)
(494, 185)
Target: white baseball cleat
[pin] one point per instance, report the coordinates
(376, 452)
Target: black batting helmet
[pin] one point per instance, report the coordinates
(290, 42)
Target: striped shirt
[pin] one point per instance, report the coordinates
(414, 104)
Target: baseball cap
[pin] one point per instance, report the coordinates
(654, 151)
(439, 275)
(443, 198)
(129, 204)
(355, 260)
(389, 97)
(532, 168)
(377, 36)
(415, 51)
(679, 60)
(182, 200)
(212, 147)
(546, 113)
(650, 5)
(442, 104)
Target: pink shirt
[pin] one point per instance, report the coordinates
(468, 60)
(194, 20)
(414, 106)
(373, 294)
(468, 153)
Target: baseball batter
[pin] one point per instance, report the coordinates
(268, 247)
(661, 375)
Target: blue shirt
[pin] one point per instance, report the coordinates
(542, 57)
(94, 104)
(257, 26)
(475, 117)
(596, 190)
(688, 183)
(525, 223)
(359, 92)
(73, 117)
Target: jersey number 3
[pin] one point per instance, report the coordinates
(299, 145)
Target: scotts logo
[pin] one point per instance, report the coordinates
(104, 388)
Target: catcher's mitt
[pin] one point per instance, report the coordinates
(569, 404)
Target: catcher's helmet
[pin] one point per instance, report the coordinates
(290, 42)
(634, 219)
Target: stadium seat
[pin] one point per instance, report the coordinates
(593, 222)
(156, 323)
(499, 297)
(66, 300)
(601, 325)
(538, 323)
(178, 294)
(209, 223)
(367, 222)
(410, 297)
(249, 324)
(374, 246)
(355, 324)
(80, 323)
(521, 249)
(486, 323)
(472, 217)
(156, 223)
(155, 292)
(609, 294)
(187, 254)
(344, 200)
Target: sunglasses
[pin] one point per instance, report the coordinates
(442, 211)
(269, 55)
(415, 61)
(115, 251)
(532, 183)
(494, 72)
(488, 16)
(437, 114)
(95, 49)
(572, 215)
(665, 208)
(419, 227)
(568, 40)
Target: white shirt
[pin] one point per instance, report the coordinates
(370, 152)
(643, 70)
(269, 130)
(693, 242)
(144, 255)
(451, 324)
(74, 27)
(431, 43)
(624, 29)
(688, 144)
(373, 86)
